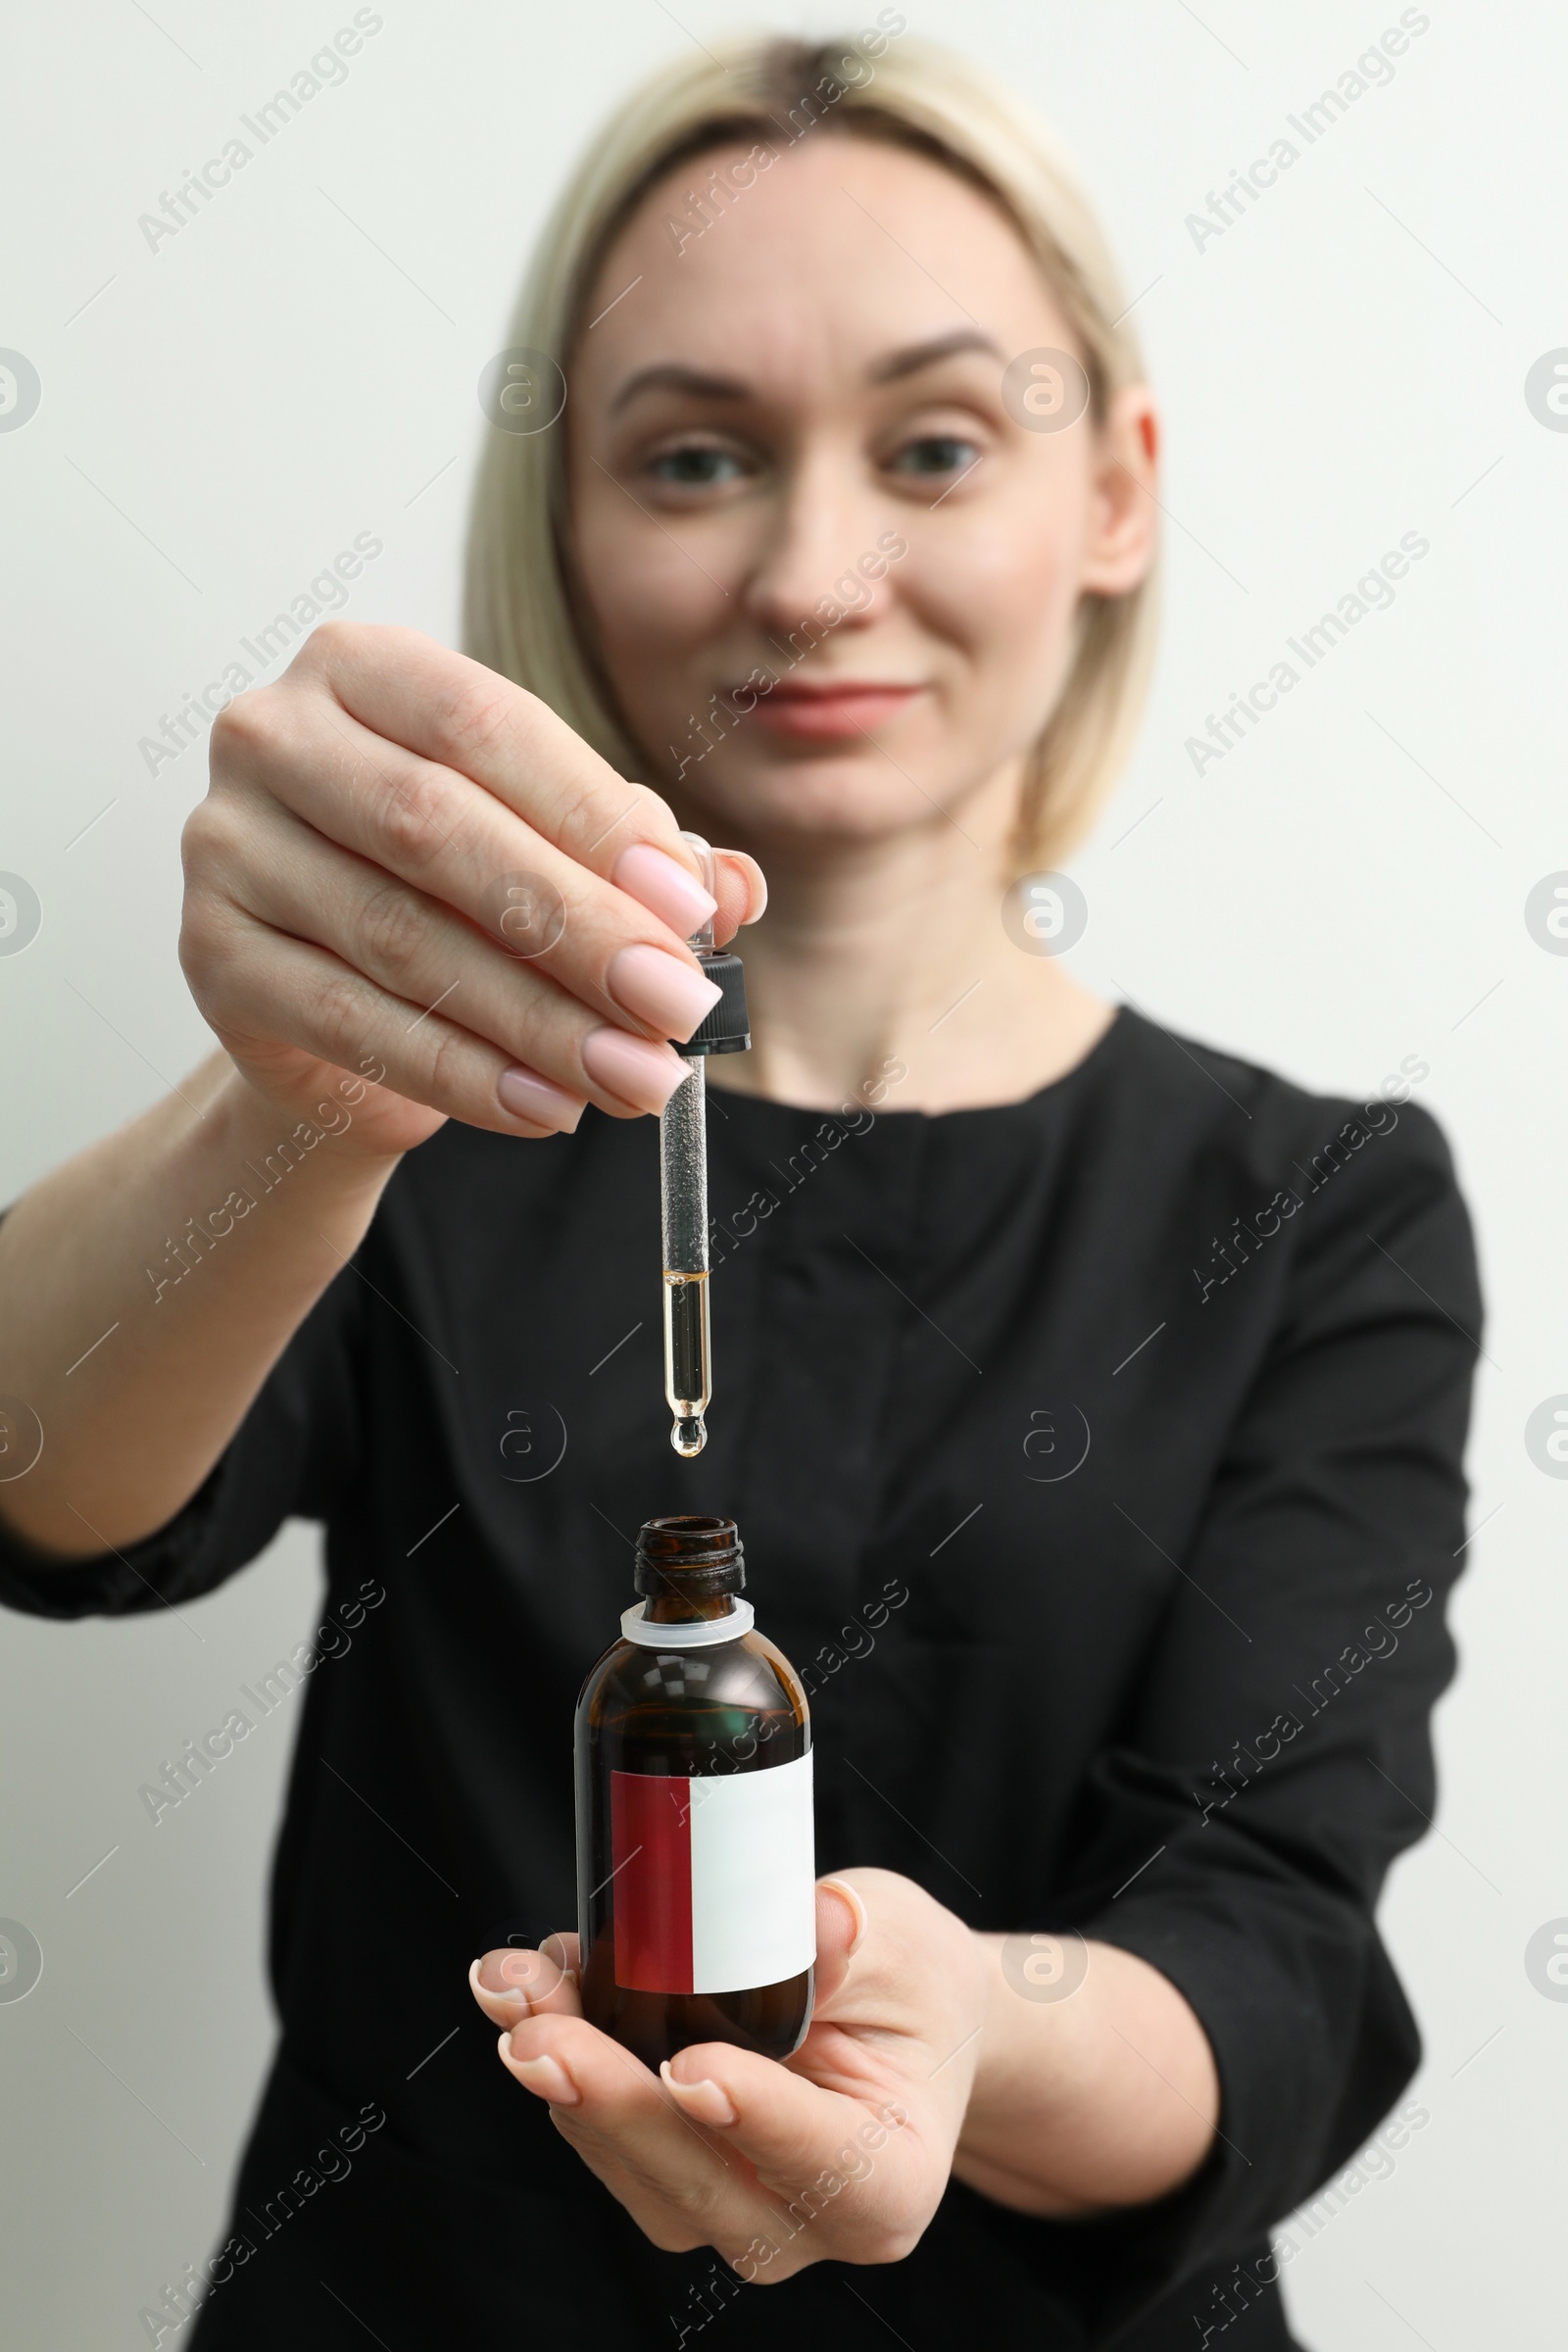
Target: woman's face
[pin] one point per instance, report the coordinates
(791, 459)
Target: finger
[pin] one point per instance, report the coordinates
(672, 2172)
(455, 712)
(614, 2097)
(711, 2097)
(289, 878)
(788, 2127)
(742, 891)
(438, 831)
(886, 1989)
(841, 1926)
(509, 1984)
(263, 988)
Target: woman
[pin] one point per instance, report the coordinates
(1091, 1402)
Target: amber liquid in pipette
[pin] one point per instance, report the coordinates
(688, 1382)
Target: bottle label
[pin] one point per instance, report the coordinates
(714, 1879)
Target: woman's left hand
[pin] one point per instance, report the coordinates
(841, 2153)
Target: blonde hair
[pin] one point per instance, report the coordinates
(521, 617)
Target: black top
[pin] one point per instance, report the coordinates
(1149, 1393)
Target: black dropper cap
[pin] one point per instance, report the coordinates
(727, 1027)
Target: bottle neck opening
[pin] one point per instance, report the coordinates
(688, 1569)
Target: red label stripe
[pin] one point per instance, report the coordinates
(650, 1849)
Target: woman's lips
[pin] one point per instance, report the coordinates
(823, 713)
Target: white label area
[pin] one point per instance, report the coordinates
(714, 1879)
(754, 1876)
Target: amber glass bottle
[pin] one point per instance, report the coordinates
(695, 1870)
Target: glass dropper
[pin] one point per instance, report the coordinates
(683, 1188)
(688, 1363)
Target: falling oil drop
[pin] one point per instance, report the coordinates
(689, 1435)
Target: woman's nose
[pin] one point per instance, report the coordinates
(819, 531)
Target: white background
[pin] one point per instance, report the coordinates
(1343, 365)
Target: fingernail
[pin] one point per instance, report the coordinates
(526, 1096)
(656, 881)
(704, 2098)
(545, 2075)
(553, 1964)
(640, 1073)
(846, 1894)
(659, 989)
(516, 1974)
(759, 880)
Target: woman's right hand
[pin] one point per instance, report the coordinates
(406, 865)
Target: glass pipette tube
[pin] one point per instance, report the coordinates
(683, 1200)
(683, 1151)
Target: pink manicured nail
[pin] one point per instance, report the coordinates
(656, 881)
(528, 1096)
(704, 2098)
(513, 1974)
(667, 995)
(640, 1073)
(547, 2076)
(850, 1896)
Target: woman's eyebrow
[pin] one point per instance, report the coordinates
(916, 355)
(669, 376)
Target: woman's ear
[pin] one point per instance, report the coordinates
(1123, 514)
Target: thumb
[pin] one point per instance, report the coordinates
(741, 890)
(840, 1929)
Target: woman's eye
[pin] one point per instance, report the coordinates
(935, 453)
(696, 467)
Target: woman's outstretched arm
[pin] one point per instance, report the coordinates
(410, 893)
(148, 1287)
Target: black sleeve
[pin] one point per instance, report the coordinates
(1279, 1756)
(294, 1456)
